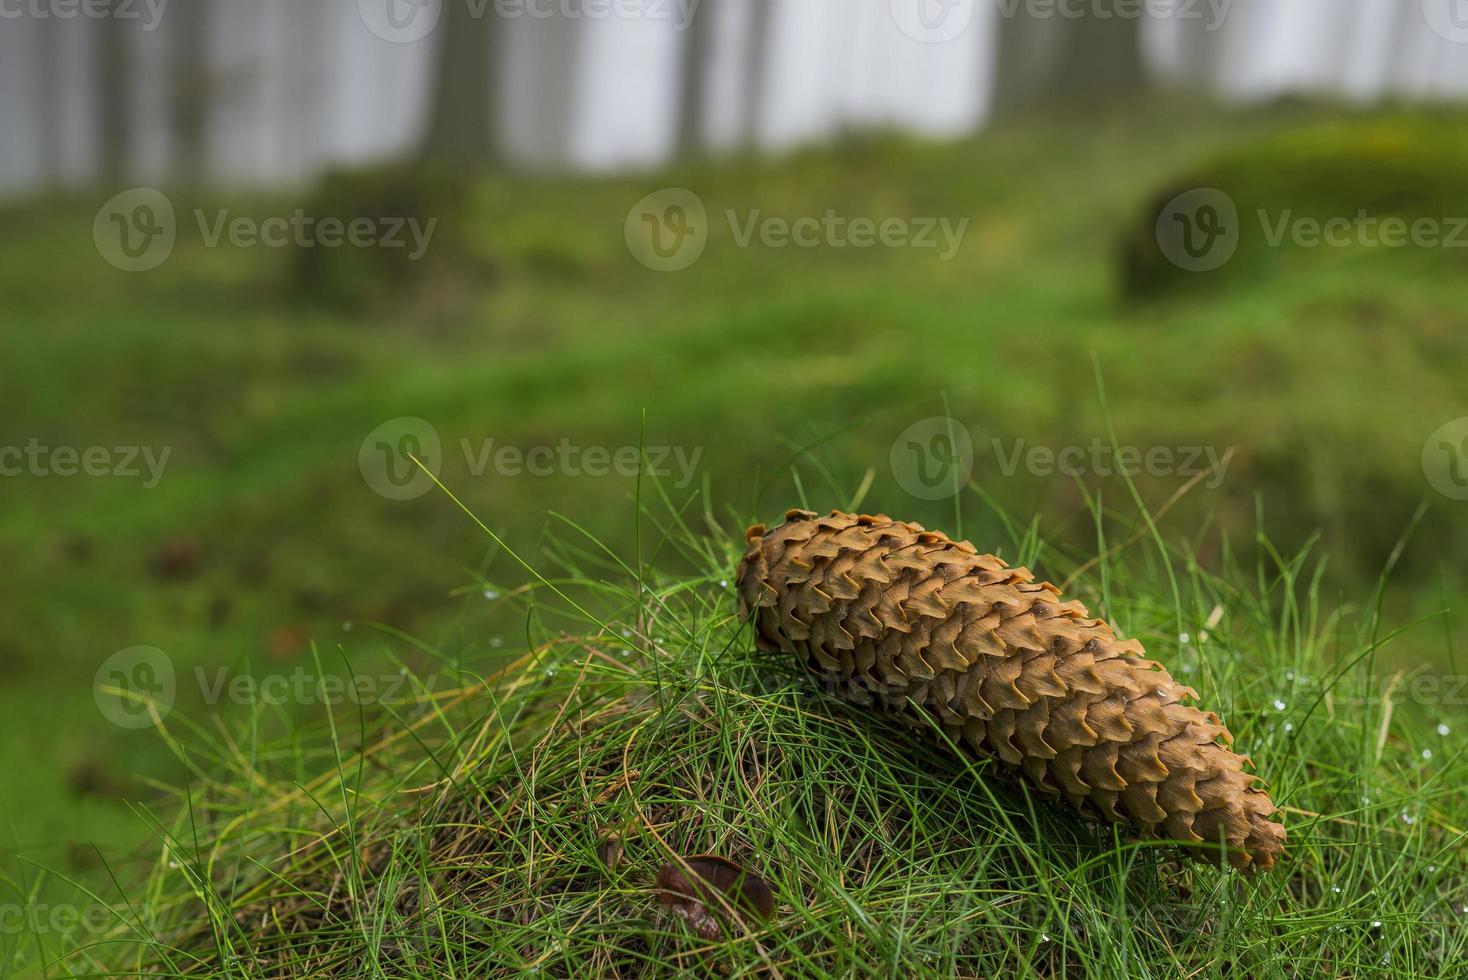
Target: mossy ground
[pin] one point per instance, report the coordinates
(1325, 380)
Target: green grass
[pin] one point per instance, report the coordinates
(1325, 379)
(490, 826)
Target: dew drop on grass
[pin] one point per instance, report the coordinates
(491, 594)
(1443, 729)
(1289, 675)
(1289, 726)
(496, 642)
(1408, 819)
(723, 583)
(1427, 753)
(1278, 705)
(1336, 889)
(1044, 938)
(1184, 639)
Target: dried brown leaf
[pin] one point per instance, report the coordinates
(702, 889)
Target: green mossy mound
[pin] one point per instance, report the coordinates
(1361, 184)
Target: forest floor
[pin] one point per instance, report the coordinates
(260, 562)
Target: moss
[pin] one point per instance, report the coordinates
(1360, 172)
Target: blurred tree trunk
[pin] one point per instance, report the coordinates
(48, 87)
(1028, 53)
(1042, 55)
(1201, 52)
(1103, 54)
(693, 78)
(189, 89)
(756, 66)
(113, 102)
(464, 122)
(1401, 66)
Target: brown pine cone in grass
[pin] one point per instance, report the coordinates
(897, 617)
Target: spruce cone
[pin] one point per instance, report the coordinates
(893, 616)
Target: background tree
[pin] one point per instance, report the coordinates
(1043, 53)
(693, 76)
(464, 125)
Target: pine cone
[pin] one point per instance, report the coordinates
(894, 616)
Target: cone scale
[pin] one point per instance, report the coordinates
(896, 617)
